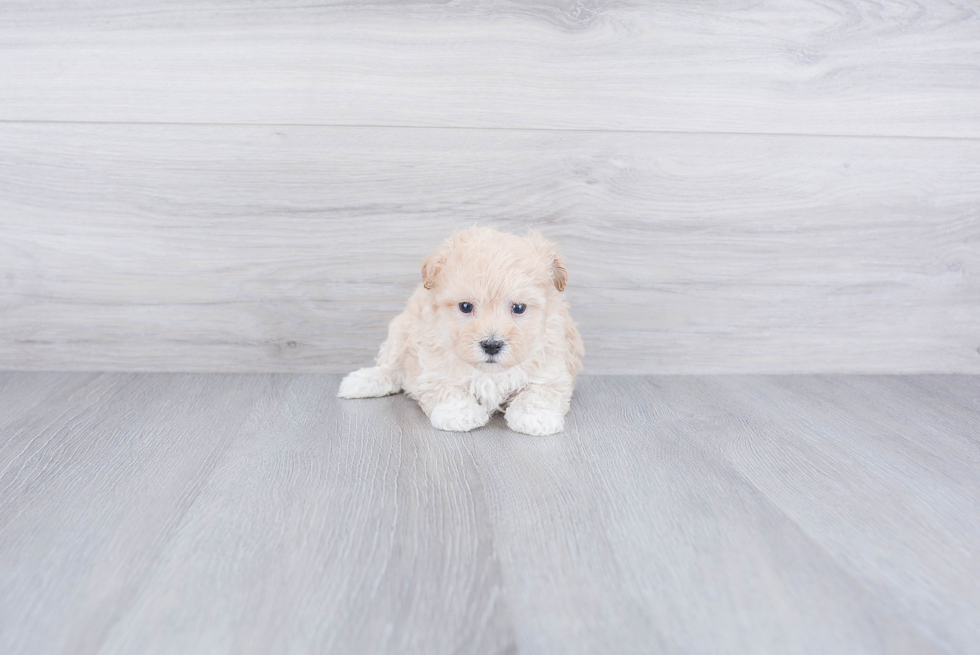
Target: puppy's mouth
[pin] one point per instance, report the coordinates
(492, 364)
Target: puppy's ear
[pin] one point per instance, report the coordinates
(431, 266)
(433, 263)
(554, 260)
(559, 272)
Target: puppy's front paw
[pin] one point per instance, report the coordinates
(367, 383)
(534, 420)
(458, 415)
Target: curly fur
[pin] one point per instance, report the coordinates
(433, 350)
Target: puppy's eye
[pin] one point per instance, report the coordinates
(466, 307)
(519, 308)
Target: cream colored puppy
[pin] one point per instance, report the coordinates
(486, 330)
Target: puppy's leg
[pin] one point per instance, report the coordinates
(538, 410)
(385, 378)
(453, 410)
(368, 383)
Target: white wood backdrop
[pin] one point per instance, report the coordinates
(249, 186)
(797, 66)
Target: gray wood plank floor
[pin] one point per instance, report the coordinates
(186, 513)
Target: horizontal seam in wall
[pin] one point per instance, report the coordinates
(7, 122)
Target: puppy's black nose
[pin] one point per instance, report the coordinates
(492, 346)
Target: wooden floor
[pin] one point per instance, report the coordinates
(186, 513)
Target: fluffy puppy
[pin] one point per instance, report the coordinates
(486, 330)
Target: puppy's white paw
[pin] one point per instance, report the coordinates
(533, 420)
(367, 383)
(458, 415)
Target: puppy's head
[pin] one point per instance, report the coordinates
(493, 293)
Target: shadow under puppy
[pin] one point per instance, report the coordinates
(486, 330)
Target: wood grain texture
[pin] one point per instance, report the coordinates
(224, 513)
(841, 67)
(289, 248)
(97, 473)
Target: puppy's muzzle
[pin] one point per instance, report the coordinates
(491, 346)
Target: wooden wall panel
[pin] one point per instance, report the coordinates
(258, 248)
(796, 66)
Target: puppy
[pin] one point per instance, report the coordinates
(486, 330)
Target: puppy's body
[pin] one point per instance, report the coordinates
(486, 330)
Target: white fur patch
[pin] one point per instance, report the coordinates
(458, 415)
(534, 420)
(494, 389)
(367, 383)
